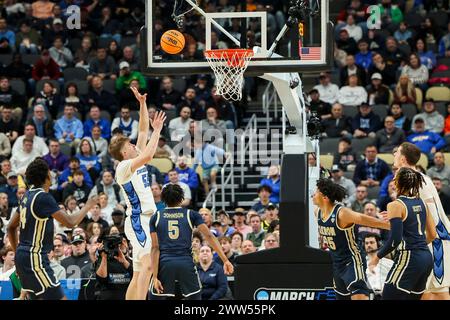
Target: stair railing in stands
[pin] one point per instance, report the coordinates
(228, 180)
(250, 132)
(211, 197)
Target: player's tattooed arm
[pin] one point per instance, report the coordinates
(347, 217)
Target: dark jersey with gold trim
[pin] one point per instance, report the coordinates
(36, 221)
(414, 224)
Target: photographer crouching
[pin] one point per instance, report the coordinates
(114, 268)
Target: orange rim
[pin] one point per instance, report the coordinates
(234, 57)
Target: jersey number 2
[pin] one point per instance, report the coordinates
(174, 231)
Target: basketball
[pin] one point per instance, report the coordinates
(172, 41)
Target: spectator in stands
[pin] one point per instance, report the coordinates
(62, 55)
(84, 53)
(258, 233)
(42, 9)
(156, 191)
(337, 175)
(273, 181)
(401, 121)
(186, 174)
(5, 168)
(164, 151)
(179, 127)
(225, 109)
(270, 216)
(5, 146)
(44, 126)
(78, 259)
(403, 34)
(236, 242)
(126, 76)
(114, 50)
(427, 57)
(17, 69)
(352, 68)
(96, 120)
(208, 157)
(428, 142)
(389, 137)
(58, 250)
(9, 35)
(9, 96)
(102, 66)
(346, 43)
(38, 143)
(364, 56)
(392, 54)
(370, 209)
(56, 160)
(68, 128)
(377, 92)
(99, 96)
(354, 31)
(387, 71)
(8, 125)
(444, 197)
(189, 99)
(174, 179)
(416, 72)
(99, 145)
(127, 96)
(359, 199)
(97, 217)
(213, 279)
(225, 228)
(168, 98)
(225, 243)
(346, 158)
(212, 122)
(67, 175)
(207, 216)
(366, 123)
(21, 158)
(322, 108)
(405, 91)
(248, 247)
(10, 188)
(28, 40)
(128, 125)
(370, 171)
(131, 58)
(45, 69)
(339, 125)
(239, 218)
(106, 207)
(89, 159)
(440, 169)
(50, 99)
(271, 240)
(8, 266)
(329, 92)
(108, 26)
(56, 29)
(77, 188)
(444, 44)
(434, 121)
(384, 200)
(352, 94)
(264, 192)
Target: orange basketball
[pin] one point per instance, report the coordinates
(172, 41)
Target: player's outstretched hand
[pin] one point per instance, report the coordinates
(158, 286)
(373, 263)
(91, 202)
(158, 121)
(228, 268)
(383, 216)
(142, 98)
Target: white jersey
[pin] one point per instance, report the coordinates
(136, 189)
(440, 248)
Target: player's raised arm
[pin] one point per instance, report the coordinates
(73, 220)
(143, 119)
(212, 240)
(148, 152)
(348, 217)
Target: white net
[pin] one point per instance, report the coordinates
(229, 67)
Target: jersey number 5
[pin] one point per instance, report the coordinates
(174, 231)
(329, 242)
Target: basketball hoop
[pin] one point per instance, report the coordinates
(229, 66)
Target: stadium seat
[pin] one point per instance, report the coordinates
(164, 165)
(359, 145)
(329, 145)
(441, 107)
(105, 115)
(82, 85)
(5, 59)
(387, 157)
(40, 85)
(109, 85)
(350, 111)
(438, 93)
(127, 41)
(30, 58)
(447, 158)
(133, 114)
(380, 110)
(19, 86)
(74, 74)
(409, 110)
(423, 161)
(326, 161)
(419, 97)
(373, 192)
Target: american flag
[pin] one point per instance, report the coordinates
(310, 53)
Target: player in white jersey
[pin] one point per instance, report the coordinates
(132, 176)
(407, 155)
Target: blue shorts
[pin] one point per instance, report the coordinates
(36, 276)
(206, 173)
(349, 279)
(181, 270)
(410, 271)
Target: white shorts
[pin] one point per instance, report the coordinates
(435, 285)
(140, 248)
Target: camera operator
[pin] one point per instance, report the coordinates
(114, 268)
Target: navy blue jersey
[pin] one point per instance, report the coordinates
(341, 242)
(36, 221)
(414, 224)
(174, 229)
